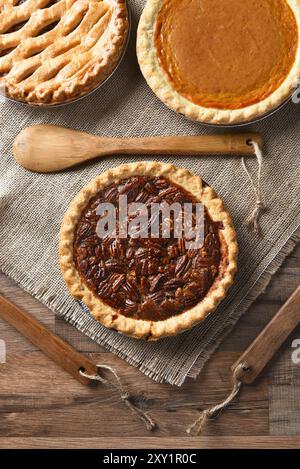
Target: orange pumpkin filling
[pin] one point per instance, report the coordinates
(229, 54)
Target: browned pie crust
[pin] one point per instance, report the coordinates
(220, 64)
(202, 49)
(53, 51)
(147, 288)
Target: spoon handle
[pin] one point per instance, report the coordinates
(225, 144)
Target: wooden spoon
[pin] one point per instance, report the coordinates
(48, 148)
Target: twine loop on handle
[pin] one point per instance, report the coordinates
(199, 424)
(253, 221)
(124, 395)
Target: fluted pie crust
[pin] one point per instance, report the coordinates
(217, 65)
(54, 51)
(111, 317)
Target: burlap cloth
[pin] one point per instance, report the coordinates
(32, 207)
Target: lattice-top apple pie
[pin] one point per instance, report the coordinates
(53, 51)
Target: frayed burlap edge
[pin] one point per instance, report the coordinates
(259, 288)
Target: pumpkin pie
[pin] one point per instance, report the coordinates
(220, 62)
(148, 286)
(53, 51)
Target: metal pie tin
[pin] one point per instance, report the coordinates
(251, 122)
(79, 98)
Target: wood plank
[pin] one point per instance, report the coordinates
(53, 346)
(46, 401)
(284, 392)
(37, 399)
(257, 442)
(269, 341)
(13, 339)
(22, 299)
(282, 285)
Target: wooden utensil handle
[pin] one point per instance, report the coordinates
(223, 144)
(54, 347)
(270, 339)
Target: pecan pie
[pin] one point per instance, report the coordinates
(220, 64)
(53, 51)
(143, 285)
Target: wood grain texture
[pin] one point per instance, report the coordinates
(284, 391)
(35, 146)
(53, 346)
(47, 401)
(263, 348)
(42, 406)
(257, 442)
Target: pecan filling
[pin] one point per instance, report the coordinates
(147, 278)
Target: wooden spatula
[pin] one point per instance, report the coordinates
(49, 148)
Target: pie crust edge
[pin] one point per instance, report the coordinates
(96, 73)
(160, 84)
(142, 329)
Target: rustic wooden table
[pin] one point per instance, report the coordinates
(41, 406)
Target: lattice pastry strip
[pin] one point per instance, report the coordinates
(52, 50)
(51, 54)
